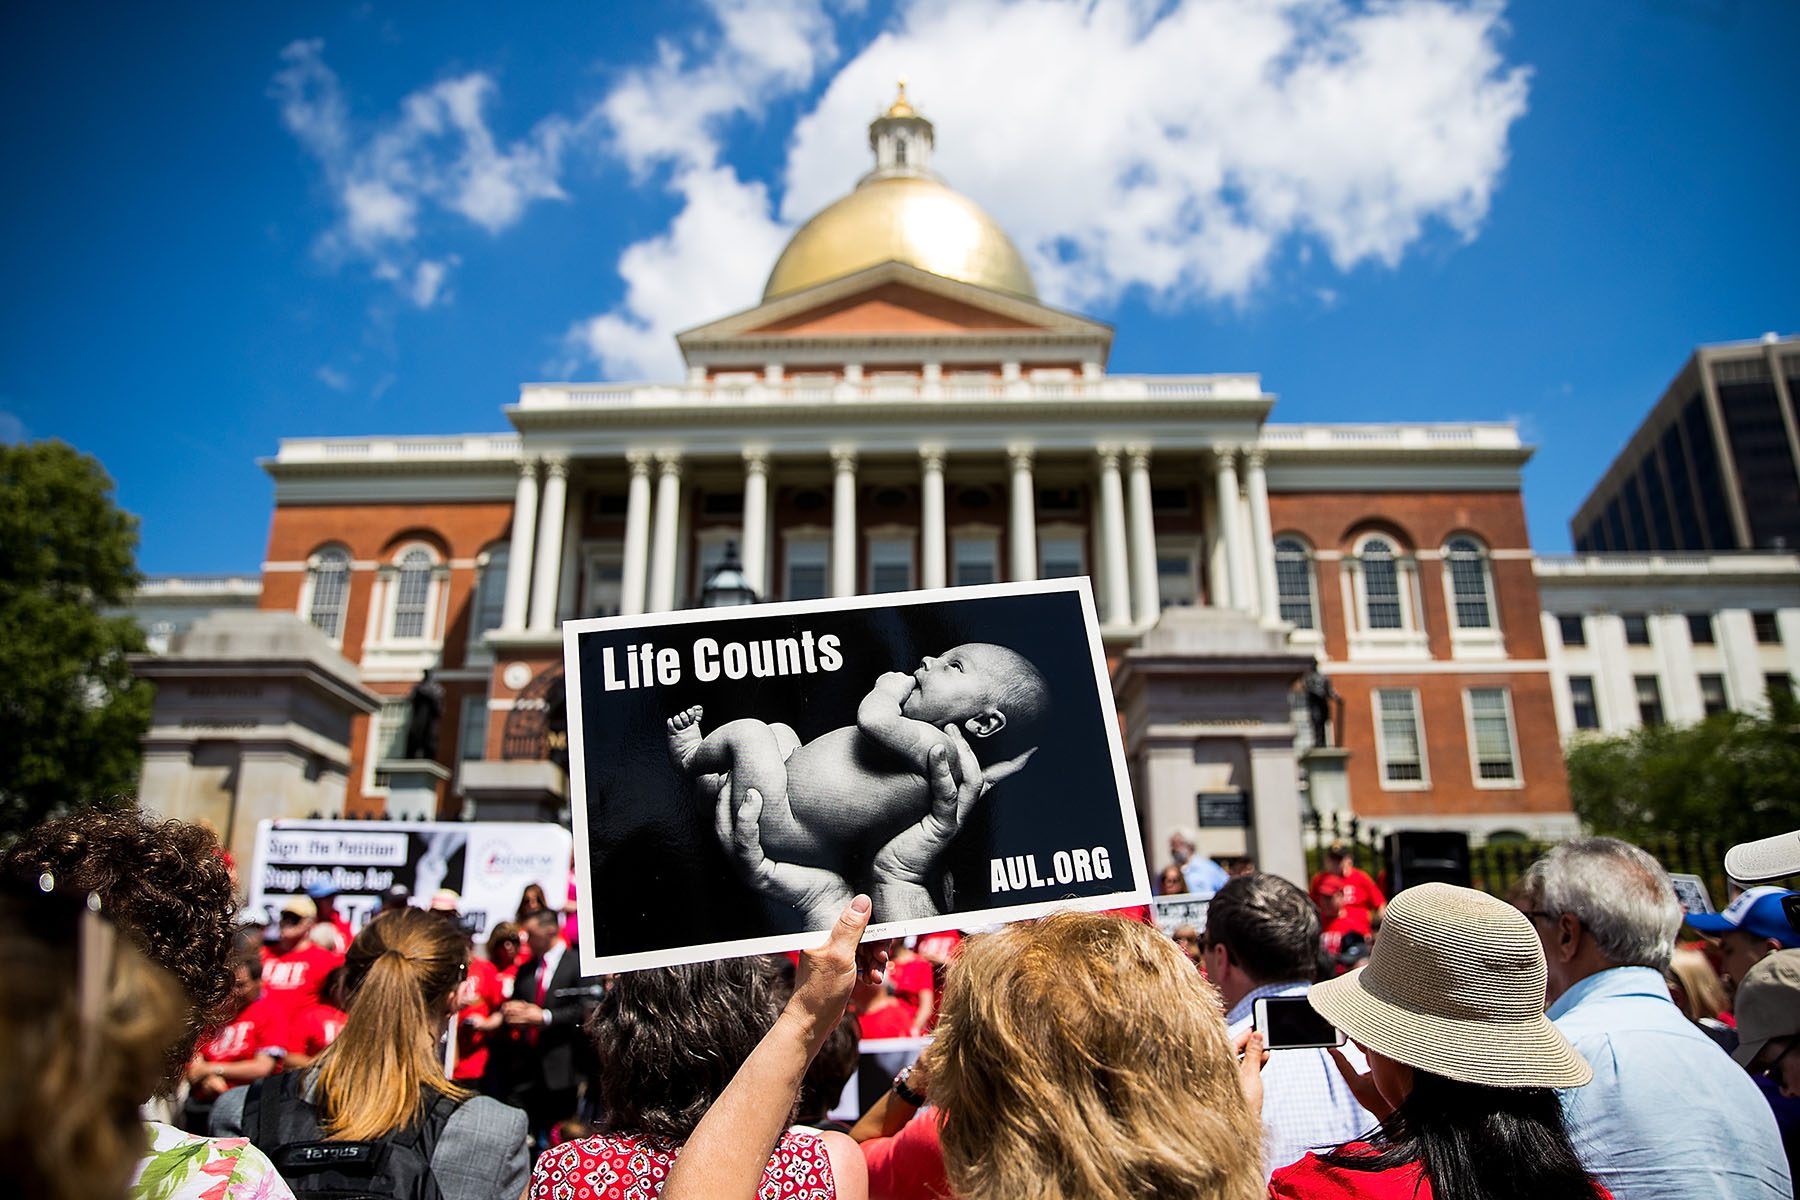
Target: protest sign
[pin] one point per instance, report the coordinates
(488, 863)
(1172, 912)
(739, 773)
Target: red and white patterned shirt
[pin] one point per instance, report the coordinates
(616, 1167)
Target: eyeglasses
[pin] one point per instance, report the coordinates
(1534, 914)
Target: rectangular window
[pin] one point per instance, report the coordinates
(1637, 629)
(1712, 694)
(1581, 697)
(1177, 584)
(1768, 632)
(605, 582)
(1402, 741)
(1700, 629)
(977, 560)
(805, 569)
(1574, 633)
(389, 735)
(471, 731)
(1490, 722)
(1649, 699)
(890, 564)
(1779, 684)
(1060, 556)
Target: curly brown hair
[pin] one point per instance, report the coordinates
(163, 883)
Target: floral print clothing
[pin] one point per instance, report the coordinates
(186, 1166)
(615, 1167)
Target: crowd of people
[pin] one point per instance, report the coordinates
(1556, 1043)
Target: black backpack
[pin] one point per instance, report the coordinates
(283, 1125)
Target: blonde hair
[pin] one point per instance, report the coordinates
(1702, 991)
(69, 1122)
(401, 971)
(1083, 1058)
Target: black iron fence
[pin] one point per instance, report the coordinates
(1495, 866)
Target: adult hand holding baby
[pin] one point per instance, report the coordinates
(817, 893)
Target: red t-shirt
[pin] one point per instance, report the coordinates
(911, 979)
(938, 947)
(890, 1021)
(1310, 1179)
(1355, 890)
(261, 1026)
(315, 1028)
(487, 997)
(909, 1165)
(293, 981)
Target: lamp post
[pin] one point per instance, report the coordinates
(726, 587)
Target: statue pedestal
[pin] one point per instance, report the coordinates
(414, 785)
(1327, 781)
(515, 790)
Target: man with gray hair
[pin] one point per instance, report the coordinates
(1667, 1114)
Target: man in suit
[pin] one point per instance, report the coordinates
(540, 1065)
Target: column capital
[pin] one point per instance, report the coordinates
(843, 459)
(528, 465)
(756, 460)
(1108, 456)
(1019, 456)
(1224, 456)
(931, 458)
(668, 462)
(638, 461)
(556, 466)
(1254, 456)
(1139, 457)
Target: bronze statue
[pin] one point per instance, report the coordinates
(1319, 697)
(427, 701)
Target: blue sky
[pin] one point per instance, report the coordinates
(277, 221)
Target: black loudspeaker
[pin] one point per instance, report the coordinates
(1417, 856)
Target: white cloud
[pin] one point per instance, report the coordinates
(12, 429)
(1177, 147)
(332, 378)
(436, 157)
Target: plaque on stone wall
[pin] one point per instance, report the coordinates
(1224, 810)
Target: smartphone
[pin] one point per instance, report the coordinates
(1289, 1023)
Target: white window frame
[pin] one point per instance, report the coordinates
(372, 750)
(313, 562)
(972, 535)
(596, 558)
(709, 551)
(465, 717)
(890, 536)
(1064, 532)
(1311, 558)
(1190, 548)
(1409, 642)
(1512, 740)
(431, 620)
(1593, 682)
(806, 535)
(1475, 641)
(486, 580)
(1423, 782)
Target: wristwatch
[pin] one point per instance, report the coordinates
(902, 1090)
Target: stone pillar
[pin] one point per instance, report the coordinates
(1225, 476)
(1275, 809)
(1262, 536)
(546, 575)
(1146, 603)
(933, 572)
(1682, 702)
(524, 535)
(843, 522)
(635, 569)
(1742, 657)
(665, 544)
(756, 521)
(1616, 686)
(1022, 529)
(1115, 581)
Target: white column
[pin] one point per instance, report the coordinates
(1225, 476)
(1787, 623)
(1146, 602)
(635, 569)
(1617, 685)
(665, 540)
(932, 570)
(1114, 578)
(546, 574)
(1262, 537)
(843, 522)
(1022, 531)
(1682, 702)
(756, 520)
(524, 535)
(1742, 657)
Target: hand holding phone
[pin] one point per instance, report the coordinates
(1289, 1023)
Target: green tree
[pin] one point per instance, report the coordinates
(1731, 777)
(71, 712)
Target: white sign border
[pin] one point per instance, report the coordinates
(595, 964)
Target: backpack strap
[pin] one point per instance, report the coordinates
(424, 1134)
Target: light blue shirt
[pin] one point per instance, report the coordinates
(1669, 1115)
(1306, 1103)
(1204, 876)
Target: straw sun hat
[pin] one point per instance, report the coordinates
(1455, 986)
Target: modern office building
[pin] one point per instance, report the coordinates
(1716, 464)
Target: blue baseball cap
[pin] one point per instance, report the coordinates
(1757, 912)
(320, 889)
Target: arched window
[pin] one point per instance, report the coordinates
(412, 592)
(490, 590)
(328, 590)
(1471, 584)
(1382, 608)
(1294, 582)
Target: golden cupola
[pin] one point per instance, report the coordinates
(901, 211)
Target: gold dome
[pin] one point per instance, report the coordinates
(910, 218)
